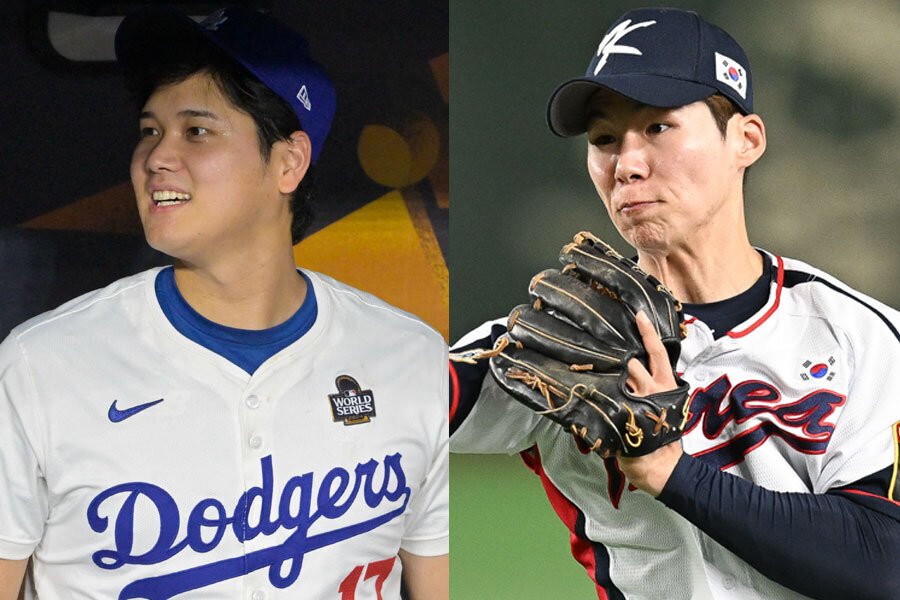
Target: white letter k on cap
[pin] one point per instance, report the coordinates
(608, 43)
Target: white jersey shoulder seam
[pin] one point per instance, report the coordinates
(77, 309)
(40, 416)
(350, 291)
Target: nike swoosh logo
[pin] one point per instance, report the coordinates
(116, 415)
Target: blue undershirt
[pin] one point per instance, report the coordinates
(247, 348)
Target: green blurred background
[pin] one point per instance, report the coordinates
(827, 77)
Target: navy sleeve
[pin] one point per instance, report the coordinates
(827, 546)
(466, 378)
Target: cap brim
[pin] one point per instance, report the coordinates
(567, 108)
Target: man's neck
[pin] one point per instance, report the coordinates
(699, 273)
(246, 294)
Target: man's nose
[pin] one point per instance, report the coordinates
(164, 155)
(632, 162)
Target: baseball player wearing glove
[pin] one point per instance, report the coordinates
(765, 465)
(230, 427)
(567, 355)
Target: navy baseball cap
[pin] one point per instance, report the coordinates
(657, 56)
(271, 51)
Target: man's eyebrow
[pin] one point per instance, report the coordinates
(595, 113)
(188, 112)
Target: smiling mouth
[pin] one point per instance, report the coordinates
(170, 198)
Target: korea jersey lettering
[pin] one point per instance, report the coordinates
(138, 464)
(801, 397)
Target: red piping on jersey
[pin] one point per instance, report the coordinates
(615, 482)
(892, 488)
(568, 512)
(691, 320)
(454, 391)
(772, 309)
(862, 493)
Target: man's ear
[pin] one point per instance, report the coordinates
(751, 139)
(294, 156)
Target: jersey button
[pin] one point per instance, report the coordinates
(253, 401)
(700, 375)
(728, 583)
(255, 442)
(258, 595)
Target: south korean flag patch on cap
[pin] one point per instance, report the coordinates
(732, 74)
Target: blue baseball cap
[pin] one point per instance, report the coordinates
(657, 56)
(271, 51)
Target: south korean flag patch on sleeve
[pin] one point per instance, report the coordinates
(732, 74)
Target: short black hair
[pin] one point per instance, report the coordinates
(274, 118)
(722, 109)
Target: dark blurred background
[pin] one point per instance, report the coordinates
(67, 128)
(827, 77)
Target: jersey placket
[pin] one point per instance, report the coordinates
(699, 357)
(255, 410)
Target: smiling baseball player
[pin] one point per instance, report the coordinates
(230, 427)
(784, 482)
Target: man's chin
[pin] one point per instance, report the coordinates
(647, 237)
(169, 245)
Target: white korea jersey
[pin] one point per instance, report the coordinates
(138, 464)
(802, 397)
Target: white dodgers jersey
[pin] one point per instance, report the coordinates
(138, 464)
(801, 397)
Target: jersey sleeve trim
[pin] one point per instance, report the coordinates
(778, 287)
(896, 435)
(430, 547)
(454, 390)
(15, 550)
(466, 377)
(870, 495)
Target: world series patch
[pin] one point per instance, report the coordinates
(351, 404)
